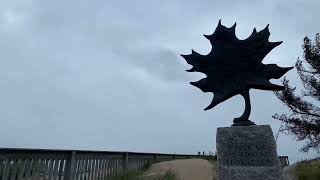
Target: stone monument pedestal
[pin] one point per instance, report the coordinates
(247, 153)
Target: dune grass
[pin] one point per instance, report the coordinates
(168, 175)
(309, 170)
(214, 168)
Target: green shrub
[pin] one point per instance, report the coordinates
(308, 170)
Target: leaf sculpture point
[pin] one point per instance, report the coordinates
(235, 66)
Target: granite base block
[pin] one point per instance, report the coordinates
(247, 153)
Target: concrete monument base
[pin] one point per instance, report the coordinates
(247, 153)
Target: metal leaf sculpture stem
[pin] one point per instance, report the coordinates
(235, 66)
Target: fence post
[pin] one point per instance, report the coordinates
(69, 174)
(155, 158)
(125, 161)
(173, 156)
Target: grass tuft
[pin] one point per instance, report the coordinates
(168, 175)
(214, 168)
(309, 170)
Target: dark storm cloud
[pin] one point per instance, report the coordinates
(108, 74)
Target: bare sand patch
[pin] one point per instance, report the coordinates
(188, 169)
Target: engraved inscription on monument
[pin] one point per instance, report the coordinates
(246, 146)
(246, 155)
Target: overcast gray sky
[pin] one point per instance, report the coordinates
(107, 75)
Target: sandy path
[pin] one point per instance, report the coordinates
(189, 169)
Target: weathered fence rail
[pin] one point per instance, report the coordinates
(79, 165)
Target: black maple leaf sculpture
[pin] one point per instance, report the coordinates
(234, 66)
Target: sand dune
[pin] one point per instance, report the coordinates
(189, 169)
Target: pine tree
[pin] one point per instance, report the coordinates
(303, 121)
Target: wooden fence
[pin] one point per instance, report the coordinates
(79, 165)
